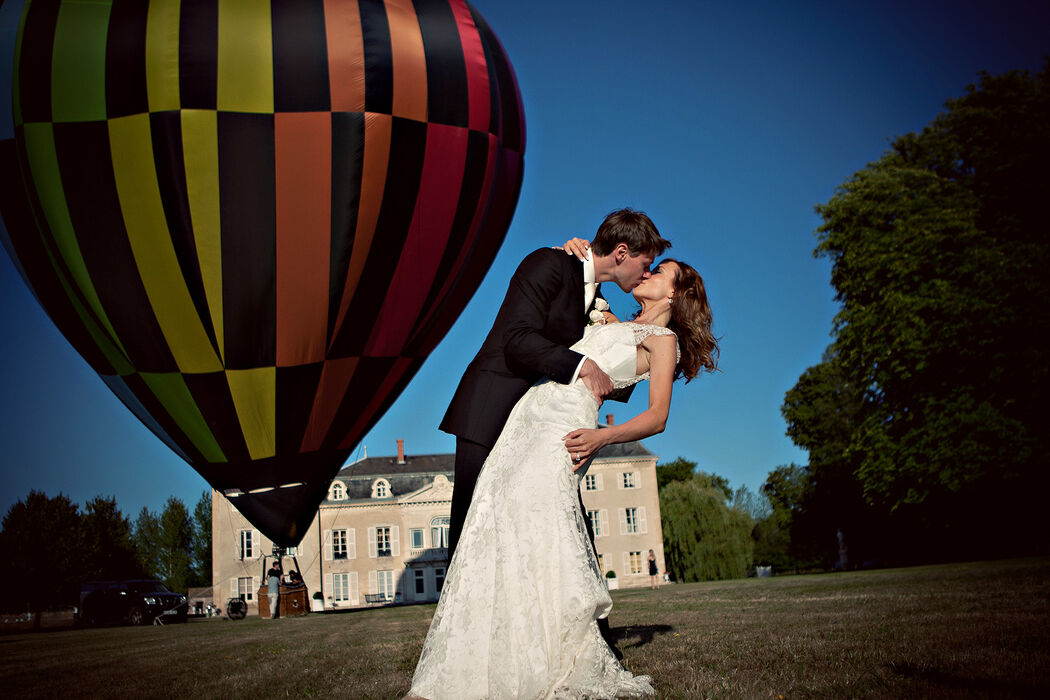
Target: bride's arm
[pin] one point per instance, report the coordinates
(583, 444)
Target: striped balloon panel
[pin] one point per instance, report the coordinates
(255, 220)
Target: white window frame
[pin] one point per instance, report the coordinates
(420, 579)
(337, 491)
(385, 584)
(632, 521)
(599, 521)
(628, 480)
(341, 587)
(439, 531)
(246, 588)
(350, 543)
(590, 482)
(414, 534)
(439, 578)
(631, 517)
(632, 562)
(353, 591)
(248, 543)
(339, 548)
(384, 547)
(381, 489)
(393, 541)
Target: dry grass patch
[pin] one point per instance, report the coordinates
(966, 630)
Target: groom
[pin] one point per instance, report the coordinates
(544, 312)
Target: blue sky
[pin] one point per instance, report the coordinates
(726, 122)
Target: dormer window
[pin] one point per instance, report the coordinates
(380, 488)
(337, 491)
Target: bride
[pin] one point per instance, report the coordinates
(518, 613)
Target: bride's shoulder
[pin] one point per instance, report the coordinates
(644, 331)
(659, 339)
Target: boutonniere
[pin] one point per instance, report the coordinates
(596, 315)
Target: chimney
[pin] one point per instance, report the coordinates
(609, 419)
(400, 451)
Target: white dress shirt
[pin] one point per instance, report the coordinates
(590, 289)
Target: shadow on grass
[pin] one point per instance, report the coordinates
(645, 634)
(992, 686)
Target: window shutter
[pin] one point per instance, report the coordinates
(622, 512)
(619, 480)
(603, 517)
(328, 587)
(328, 545)
(351, 544)
(373, 584)
(598, 480)
(255, 588)
(256, 544)
(355, 594)
(626, 563)
(641, 520)
(233, 587)
(395, 541)
(371, 547)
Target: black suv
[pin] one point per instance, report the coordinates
(133, 602)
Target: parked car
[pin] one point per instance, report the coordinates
(136, 602)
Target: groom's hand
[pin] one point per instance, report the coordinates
(595, 380)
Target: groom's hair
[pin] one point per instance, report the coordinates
(631, 227)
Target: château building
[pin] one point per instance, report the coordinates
(381, 534)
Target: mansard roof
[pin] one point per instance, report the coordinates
(418, 471)
(387, 466)
(626, 449)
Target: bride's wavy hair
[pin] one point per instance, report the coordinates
(691, 320)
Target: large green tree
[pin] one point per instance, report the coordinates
(704, 539)
(939, 253)
(823, 412)
(106, 548)
(175, 545)
(680, 469)
(202, 540)
(146, 539)
(41, 544)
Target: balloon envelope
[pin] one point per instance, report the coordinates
(255, 220)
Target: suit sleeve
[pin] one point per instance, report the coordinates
(533, 288)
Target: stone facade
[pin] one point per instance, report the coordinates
(381, 535)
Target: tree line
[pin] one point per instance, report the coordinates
(52, 546)
(925, 420)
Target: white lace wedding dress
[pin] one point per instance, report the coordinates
(517, 616)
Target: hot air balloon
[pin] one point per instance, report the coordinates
(256, 219)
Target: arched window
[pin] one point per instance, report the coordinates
(380, 488)
(439, 532)
(337, 491)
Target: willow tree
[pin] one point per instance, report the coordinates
(704, 539)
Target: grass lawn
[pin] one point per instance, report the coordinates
(961, 630)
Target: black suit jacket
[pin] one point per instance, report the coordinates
(541, 316)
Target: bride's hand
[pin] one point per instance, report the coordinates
(580, 247)
(583, 444)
